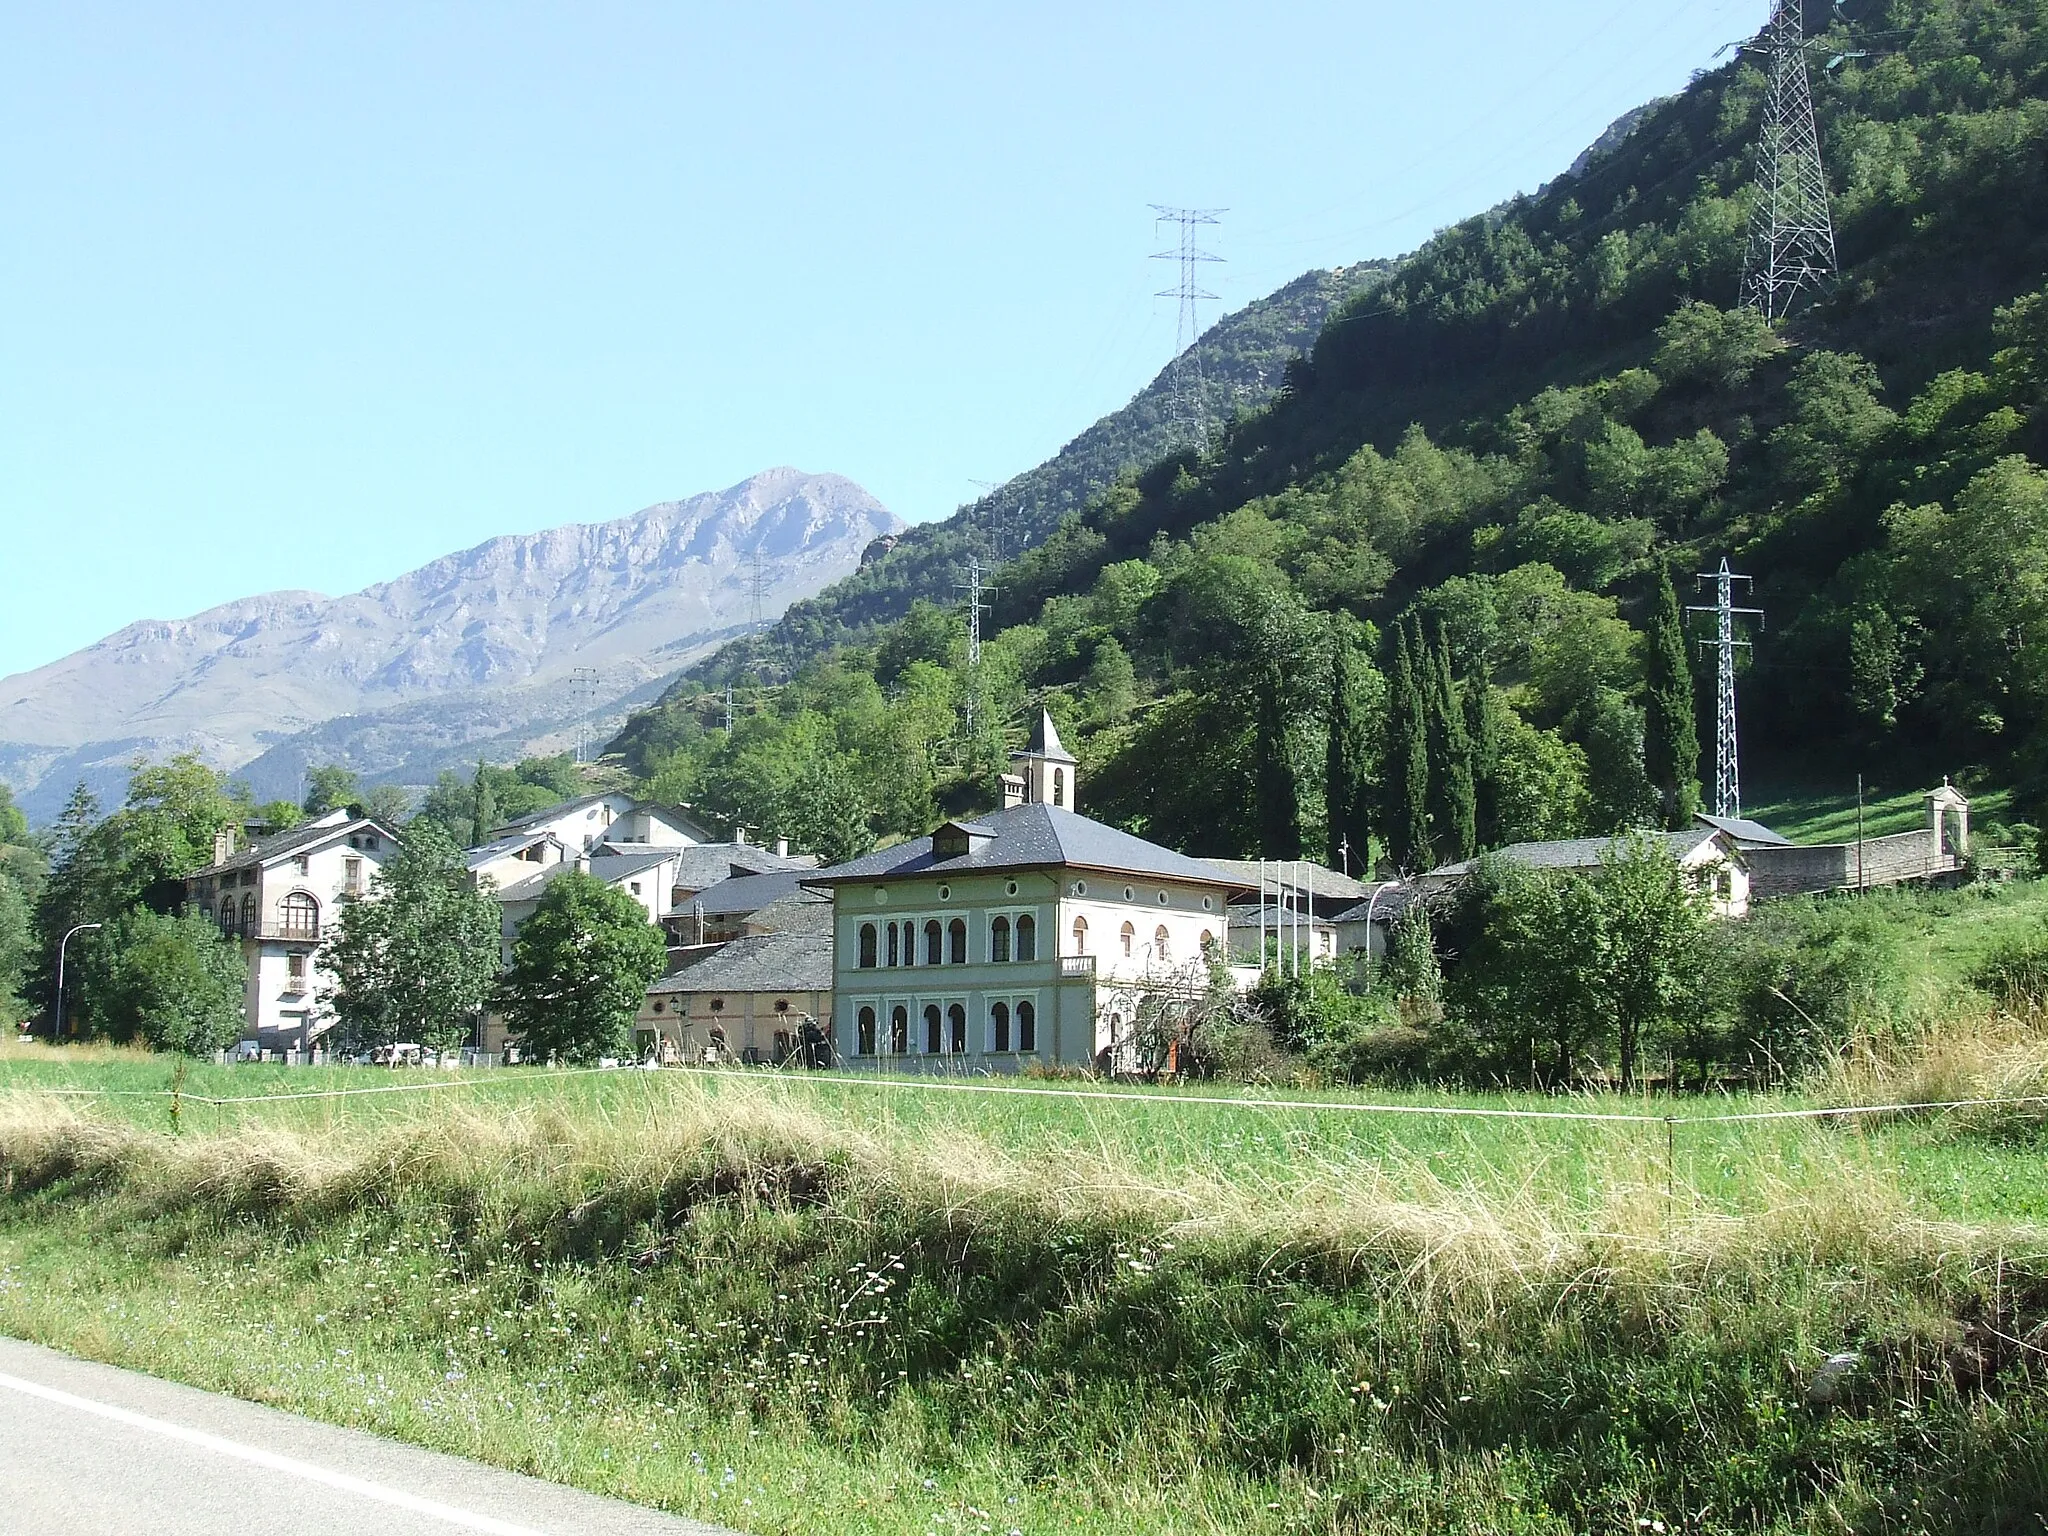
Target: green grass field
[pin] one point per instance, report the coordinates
(1829, 815)
(801, 1303)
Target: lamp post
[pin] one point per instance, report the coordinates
(1378, 891)
(57, 1024)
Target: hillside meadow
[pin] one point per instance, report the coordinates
(823, 1303)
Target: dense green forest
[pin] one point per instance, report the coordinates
(1470, 490)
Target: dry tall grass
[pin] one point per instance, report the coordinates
(587, 1181)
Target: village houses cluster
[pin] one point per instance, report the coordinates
(1031, 934)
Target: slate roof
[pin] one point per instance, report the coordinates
(744, 895)
(298, 840)
(612, 868)
(1574, 852)
(765, 962)
(1744, 830)
(1045, 740)
(703, 865)
(1030, 837)
(534, 818)
(1320, 882)
(1389, 904)
(504, 847)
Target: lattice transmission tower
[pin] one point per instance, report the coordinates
(1190, 396)
(977, 605)
(1727, 766)
(583, 694)
(1791, 233)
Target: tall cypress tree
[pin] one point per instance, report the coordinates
(1279, 809)
(1406, 823)
(1456, 823)
(1671, 741)
(1482, 724)
(483, 807)
(1347, 792)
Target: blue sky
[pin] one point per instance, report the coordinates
(305, 296)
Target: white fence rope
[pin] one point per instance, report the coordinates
(915, 1085)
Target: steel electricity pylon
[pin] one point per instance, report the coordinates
(1190, 402)
(1727, 767)
(1791, 233)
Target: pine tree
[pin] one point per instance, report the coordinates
(1406, 822)
(1671, 742)
(1482, 725)
(484, 808)
(1279, 801)
(1456, 819)
(1347, 790)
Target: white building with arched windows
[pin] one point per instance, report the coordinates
(280, 897)
(1032, 934)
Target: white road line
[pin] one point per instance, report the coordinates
(362, 1487)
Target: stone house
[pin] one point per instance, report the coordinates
(1032, 934)
(279, 898)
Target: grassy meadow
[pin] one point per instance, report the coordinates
(823, 1304)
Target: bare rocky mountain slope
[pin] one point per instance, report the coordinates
(477, 650)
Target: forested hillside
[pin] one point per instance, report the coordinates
(1241, 358)
(1419, 598)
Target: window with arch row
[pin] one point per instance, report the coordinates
(866, 1042)
(298, 916)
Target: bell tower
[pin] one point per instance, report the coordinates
(1044, 772)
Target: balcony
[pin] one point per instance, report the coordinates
(290, 933)
(1077, 967)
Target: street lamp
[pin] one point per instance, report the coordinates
(1378, 891)
(57, 1025)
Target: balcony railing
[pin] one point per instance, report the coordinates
(293, 933)
(1077, 967)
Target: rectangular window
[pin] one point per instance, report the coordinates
(352, 876)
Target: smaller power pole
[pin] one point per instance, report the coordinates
(1727, 773)
(583, 699)
(977, 605)
(728, 709)
(757, 587)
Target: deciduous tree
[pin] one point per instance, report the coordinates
(415, 961)
(581, 966)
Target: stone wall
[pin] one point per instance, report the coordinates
(1833, 866)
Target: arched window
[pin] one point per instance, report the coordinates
(1027, 938)
(1129, 936)
(999, 1027)
(1162, 944)
(895, 951)
(899, 1030)
(999, 940)
(1080, 935)
(867, 1029)
(1059, 787)
(956, 939)
(298, 916)
(934, 939)
(867, 946)
(1027, 1027)
(934, 1037)
(956, 1027)
(249, 929)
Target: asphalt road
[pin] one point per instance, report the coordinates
(88, 1450)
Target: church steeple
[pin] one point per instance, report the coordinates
(1044, 772)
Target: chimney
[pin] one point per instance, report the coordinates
(1013, 791)
(223, 845)
(739, 837)
(782, 847)
(583, 862)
